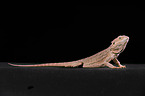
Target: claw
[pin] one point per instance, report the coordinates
(116, 67)
(123, 66)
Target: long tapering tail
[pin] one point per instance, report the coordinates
(40, 65)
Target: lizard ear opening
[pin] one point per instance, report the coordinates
(113, 42)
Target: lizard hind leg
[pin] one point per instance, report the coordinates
(80, 64)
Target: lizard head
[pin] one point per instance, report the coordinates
(119, 44)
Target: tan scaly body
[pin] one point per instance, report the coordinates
(101, 59)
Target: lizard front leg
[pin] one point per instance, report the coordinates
(110, 65)
(118, 63)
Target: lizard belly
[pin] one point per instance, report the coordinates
(94, 64)
(99, 62)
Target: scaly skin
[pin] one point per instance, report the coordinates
(101, 59)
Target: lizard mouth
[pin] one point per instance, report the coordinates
(122, 50)
(124, 45)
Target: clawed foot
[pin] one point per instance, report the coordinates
(116, 67)
(122, 66)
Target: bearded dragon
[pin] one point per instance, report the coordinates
(100, 59)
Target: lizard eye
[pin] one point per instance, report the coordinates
(113, 43)
(119, 37)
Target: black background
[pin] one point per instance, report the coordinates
(36, 33)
